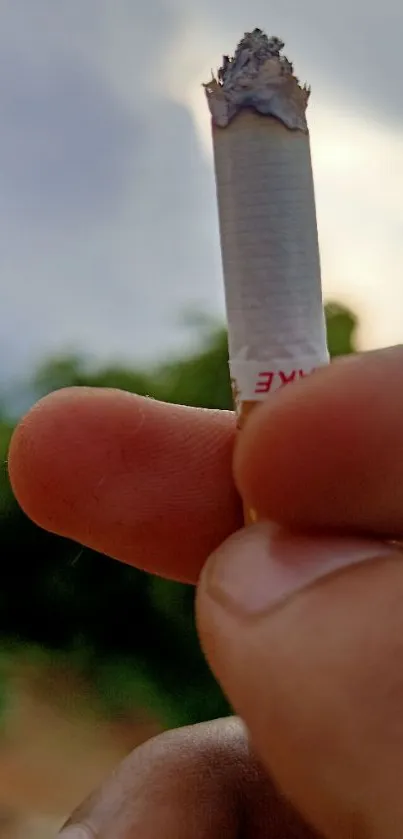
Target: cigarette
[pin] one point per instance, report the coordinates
(267, 218)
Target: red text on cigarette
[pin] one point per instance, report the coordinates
(269, 379)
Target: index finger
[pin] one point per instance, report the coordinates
(144, 482)
(151, 484)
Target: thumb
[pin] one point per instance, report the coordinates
(305, 636)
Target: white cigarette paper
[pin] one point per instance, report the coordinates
(267, 216)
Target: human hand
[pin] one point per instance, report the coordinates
(304, 633)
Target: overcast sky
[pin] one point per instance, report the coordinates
(108, 220)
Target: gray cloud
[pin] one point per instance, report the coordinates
(107, 205)
(65, 142)
(120, 293)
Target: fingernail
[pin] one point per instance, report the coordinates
(262, 565)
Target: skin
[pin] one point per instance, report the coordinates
(316, 679)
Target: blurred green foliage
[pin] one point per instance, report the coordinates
(131, 633)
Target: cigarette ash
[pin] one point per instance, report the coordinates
(259, 77)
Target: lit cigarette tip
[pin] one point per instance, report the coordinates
(258, 76)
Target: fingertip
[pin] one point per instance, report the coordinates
(139, 480)
(50, 450)
(24, 456)
(270, 452)
(327, 451)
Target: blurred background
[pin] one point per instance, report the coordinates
(109, 266)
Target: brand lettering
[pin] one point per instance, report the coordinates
(287, 379)
(264, 382)
(268, 379)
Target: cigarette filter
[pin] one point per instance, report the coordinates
(267, 217)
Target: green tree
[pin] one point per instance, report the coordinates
(74, 371)
(341, 329)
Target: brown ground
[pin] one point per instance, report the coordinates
(54, 749)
